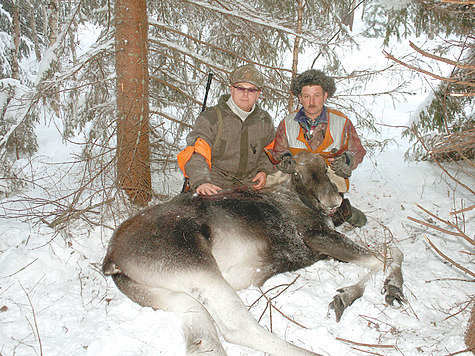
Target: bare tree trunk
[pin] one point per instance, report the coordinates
(296, 50)
(16, 41)
(34, 33)
(470, 333)
(53, 28)
(133, 146)
(53, 9)
(348, 14)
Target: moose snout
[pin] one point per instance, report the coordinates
(331, 203)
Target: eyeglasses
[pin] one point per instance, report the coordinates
(248, 90)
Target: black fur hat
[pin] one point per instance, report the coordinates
(313, 77)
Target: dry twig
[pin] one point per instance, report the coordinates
(466, 270)
(366, 345)
(37, 332)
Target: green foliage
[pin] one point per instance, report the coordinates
(417, 17)
(444, 115)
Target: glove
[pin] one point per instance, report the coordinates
(287, 163)
(342, 165)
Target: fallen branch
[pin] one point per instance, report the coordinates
(449, 259)
(462, 210)
(34, 319)
(367, 352)
(367, 345)
(21, 269)
(434, 227)
(269, 301)
(270, 305)
(456, 227)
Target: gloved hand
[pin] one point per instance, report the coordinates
(342, 164)
(287, 163)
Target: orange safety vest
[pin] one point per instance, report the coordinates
(334, 137)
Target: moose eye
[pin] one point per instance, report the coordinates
(296, 176)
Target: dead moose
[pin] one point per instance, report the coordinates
(190, 254)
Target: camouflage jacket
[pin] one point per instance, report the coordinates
(237, 147)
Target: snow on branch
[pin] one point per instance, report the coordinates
(259, 19)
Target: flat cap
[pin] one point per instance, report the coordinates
(247, 74)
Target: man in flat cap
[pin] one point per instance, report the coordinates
(325, 131)
(226, 145)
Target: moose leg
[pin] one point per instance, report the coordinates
(200, 332)
(236, 324)
(347, 295)
(334, 244)
(394, 280)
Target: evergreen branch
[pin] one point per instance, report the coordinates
(155, 111)
(441, 59)
(233, 54)
(186, 52)
(259, 20)
(167, 84)
(421, 141)
(449, 80)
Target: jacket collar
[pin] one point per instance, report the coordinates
(300, 117)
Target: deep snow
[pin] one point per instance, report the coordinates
(55, 301)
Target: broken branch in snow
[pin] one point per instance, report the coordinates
(462, 210)
(270, 305)
(364, 344)
(466, 270)
(21, 269)
(36, 330)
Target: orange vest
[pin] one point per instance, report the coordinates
(334, 138)
(334, 135)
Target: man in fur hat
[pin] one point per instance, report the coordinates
(321, 130)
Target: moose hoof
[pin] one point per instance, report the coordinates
(345, 297)
(393, 293)
(339, 306)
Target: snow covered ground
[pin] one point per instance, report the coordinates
(54, 299)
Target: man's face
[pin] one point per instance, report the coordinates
(245, 95)
(312, 99)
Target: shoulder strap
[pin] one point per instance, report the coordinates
(220, 126)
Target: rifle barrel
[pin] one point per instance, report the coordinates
(208, 85)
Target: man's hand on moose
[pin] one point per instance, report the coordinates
(207, 189)
(261, 179)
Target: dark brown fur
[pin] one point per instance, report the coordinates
(192, 252)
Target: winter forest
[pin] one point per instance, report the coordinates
(97, 97)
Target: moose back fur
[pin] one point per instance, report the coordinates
(190, 254)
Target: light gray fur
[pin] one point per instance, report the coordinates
(190, 254)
